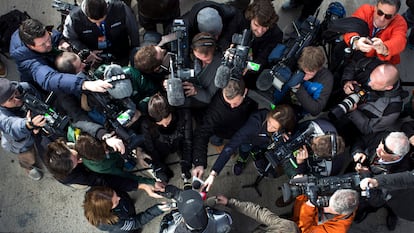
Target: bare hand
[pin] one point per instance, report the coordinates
(150, 190)
(359, 157)
(361, 169)
(349, 87)
(96, 86)
(189, 89)
(134, 118)
(164, 206)
(379, 46)
(198, 172)
(208, 183)
(93, 57)
(116, 144)
(302, 155)
(364, 44)
(373, 183)
(141, 156)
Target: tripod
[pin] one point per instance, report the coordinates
(259, 178)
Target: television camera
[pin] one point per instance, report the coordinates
(55, 123)
(118, 109)
(286, 56)
(235, 60)
(279, 151)
(319, 190)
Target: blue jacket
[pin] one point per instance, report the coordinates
(36, 68)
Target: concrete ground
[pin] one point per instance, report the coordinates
(48, 206)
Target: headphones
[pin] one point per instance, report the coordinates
(209, 42)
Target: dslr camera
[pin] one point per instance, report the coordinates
(319, 190)
(342, 108)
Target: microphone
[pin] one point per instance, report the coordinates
(265, 80)
(175, 92)
(222, 76)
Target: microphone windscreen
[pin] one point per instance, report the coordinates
(196, 184)
(265, 80)
(175, 92)
(222, 76)
(211, 201)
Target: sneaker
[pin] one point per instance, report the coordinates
(3, 69)
(239, 166)
(35, 174)
(289, 5)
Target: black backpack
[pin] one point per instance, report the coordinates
(9, 23)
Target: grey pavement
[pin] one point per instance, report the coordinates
(48, 206)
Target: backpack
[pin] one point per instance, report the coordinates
(9, 23)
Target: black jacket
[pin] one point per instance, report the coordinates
(220, 120)
(161, 141)
(262, 46)
(128, 219)
(253, 132)
(232, 18)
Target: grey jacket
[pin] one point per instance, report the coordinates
(273, 222)
(16, 137)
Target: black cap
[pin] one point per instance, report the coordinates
(7, 88)
(191, 207)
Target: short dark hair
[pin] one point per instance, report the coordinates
(58, 159)
(96, 9)
(396, 3)
(145, 59)
(312, 58)
(234, 88)
(30, 29)
(64, 62)
(263, 11)
(285, 115)
(90, 148)
(158, 107)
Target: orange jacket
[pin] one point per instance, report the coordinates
(306, 217)
(393, 36)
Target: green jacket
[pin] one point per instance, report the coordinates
(113, 165)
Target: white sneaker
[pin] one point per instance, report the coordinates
(35, 174)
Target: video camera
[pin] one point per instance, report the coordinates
(118, 109)
(180, 50)
(235, 62)
(348, 103)
(319, 190)
(279, 151)
(55, 123)
(63, 7)
(286, 57)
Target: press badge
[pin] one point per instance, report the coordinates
(102, 44)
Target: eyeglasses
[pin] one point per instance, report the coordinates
(385, 148)
(386, 16)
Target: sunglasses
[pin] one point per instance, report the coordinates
(386, 16)
(385, 148)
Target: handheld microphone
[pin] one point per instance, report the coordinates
(222, 76)
(265, 80)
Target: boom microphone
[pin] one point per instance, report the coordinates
(265, 80)
(222, 76)
(175, 93)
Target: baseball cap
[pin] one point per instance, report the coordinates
(7, 88)
(191, 207)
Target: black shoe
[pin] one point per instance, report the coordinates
(392, 220)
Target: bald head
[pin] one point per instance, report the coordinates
(384, 77)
